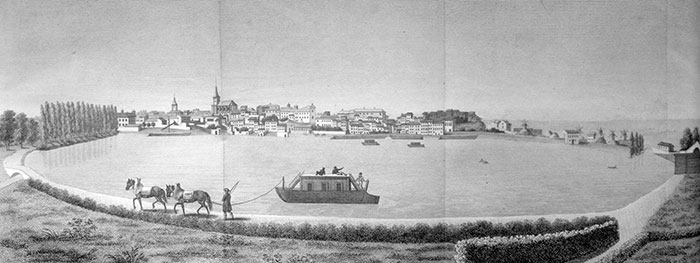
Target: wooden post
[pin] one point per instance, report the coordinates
(282, 182)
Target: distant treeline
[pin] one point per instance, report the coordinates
(636, 144)
(65, 123)
(452, 115)
(689, 138)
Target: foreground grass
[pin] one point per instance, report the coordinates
(685, 250)
(675, 228)
(28, 215)
(681, 213)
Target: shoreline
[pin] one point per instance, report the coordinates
(632, 218)
(15, 164)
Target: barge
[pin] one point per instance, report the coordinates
(336, 189)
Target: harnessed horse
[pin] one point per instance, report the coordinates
(183, 196)
(155, 191)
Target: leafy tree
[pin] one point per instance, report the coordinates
(600, 132)
(8, 125)
(687, 139)
(34, 132)
(696, 136)
(612, 135)
(22, 129)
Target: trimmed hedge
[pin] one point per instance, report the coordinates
(418, 233)
(626, 250)
(552, 247)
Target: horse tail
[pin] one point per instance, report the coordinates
(209, 201)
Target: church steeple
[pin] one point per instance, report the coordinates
(173, 106)
(217, 98)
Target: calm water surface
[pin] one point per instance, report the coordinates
(444, 179)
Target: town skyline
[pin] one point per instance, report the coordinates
(614, 61)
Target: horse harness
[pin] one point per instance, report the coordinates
(186, 196)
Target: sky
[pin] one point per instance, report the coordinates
(537, 60)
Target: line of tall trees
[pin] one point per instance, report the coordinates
(636, 144)
(689, 138)
(70, 122)
(17, 128)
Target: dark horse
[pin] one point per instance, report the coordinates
(183, 196)
(139, 193)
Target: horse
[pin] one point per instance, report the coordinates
(155, 191)
(183, 196)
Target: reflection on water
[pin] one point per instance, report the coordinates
(67, 156)
(444, 179)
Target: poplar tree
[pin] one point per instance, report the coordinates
(55, 131)
(34, 132)
(44, 126)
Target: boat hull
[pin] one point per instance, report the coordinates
(333, 197)
(169, 134)
(458, 137)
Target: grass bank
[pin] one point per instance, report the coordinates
(37, 227)
(672, 233)
(417, 233)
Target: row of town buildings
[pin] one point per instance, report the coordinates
(569, 136)
(228, 115)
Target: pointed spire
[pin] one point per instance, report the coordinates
(174, 101)
(216, 91)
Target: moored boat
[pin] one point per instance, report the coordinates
(169, 133)
(369, 142)
(338, 189)
(458, 137)
(416, 144)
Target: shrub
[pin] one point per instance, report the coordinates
(11, 243)
(55, 254)
(552, 247)
(128, 256)
(78, 229)
(277, 258)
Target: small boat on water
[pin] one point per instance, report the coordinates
(338, 189)
(416, 144)
(369, 142)
(612, 167)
